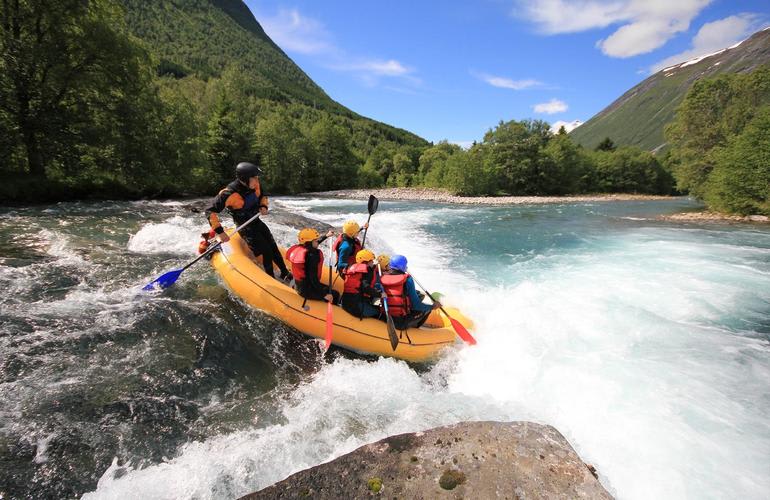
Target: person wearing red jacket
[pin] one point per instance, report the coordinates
(362, 286)
(307, 266)
(404, 304)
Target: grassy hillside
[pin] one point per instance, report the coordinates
(202, 38)
(639, 116)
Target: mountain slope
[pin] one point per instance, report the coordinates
(638, 117)
(203, 38)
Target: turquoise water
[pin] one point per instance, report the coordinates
(645, 342)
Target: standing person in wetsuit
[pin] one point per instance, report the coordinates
(307, 266)
(243, 198)
(405, 306)
(362, 285)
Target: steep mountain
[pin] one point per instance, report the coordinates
(203, 38)
(639, 116)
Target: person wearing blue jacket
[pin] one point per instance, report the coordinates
(404, 303)
(348, 245)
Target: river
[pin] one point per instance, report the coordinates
(645, 342)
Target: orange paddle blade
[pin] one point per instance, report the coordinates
(461, 331)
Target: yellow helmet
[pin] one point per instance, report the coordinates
(364, 255)
(351, 228)
(383, 260)
(307, 234)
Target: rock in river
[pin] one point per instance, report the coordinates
(515, 460)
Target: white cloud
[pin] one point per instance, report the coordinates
(296, 33)
(562, 16)
(390, 67)
(371, 71)
(551, 107)
(713, 37)
(506, 83)
(645, 24)
(568, 126)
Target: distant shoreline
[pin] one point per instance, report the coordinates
(444, 196)
(708, 216)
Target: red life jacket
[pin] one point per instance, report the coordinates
(296, 255)
(204, 243)
(356, 247)
(398, 301)
(354, 276)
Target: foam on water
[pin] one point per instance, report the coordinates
(646, 348)
(175, 235)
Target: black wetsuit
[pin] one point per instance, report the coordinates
(243, 203)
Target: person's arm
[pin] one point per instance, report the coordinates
(212, 213)
(416, 303)
(324, 237)
(264, 202)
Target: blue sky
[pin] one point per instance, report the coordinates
(453, 69)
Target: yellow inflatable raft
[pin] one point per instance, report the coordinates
(236, 265)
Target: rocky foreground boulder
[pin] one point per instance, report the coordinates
(514, 460)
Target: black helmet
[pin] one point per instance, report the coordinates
(245, 171)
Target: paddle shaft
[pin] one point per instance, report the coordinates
(384, 299)
(389, 319)
(331, 252)
(426, 291)
(363, 241)
(329, 308)
(371, 207)
(459, 328)
(219, 243)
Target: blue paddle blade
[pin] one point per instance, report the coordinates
(165, 280)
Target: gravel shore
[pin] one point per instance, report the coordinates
(443, 196)
(707, 216)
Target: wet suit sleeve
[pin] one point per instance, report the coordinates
(414, 299)
(264, 202)
(212, 212)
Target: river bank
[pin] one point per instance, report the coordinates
(709, 216)
(444, 196)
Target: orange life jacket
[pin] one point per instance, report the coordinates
(398, 301)
(296, 255)
(354, 277)
(356, 247)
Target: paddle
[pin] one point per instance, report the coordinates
(459, 328)
(329, 308)
(167, 279)
(391, 326)
(371, 207)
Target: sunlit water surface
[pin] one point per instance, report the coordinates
(645, 342)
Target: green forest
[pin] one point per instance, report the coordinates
(88, 109)
(720, 142)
